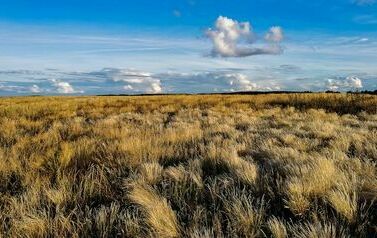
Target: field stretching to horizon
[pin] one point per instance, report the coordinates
(275, 165)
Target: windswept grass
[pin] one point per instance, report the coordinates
(159, 216)
(286, 165)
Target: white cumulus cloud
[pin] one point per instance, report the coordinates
(275, 34)
(134, 81)
(231, 38)
(63, 87)
(35, 89)
(342, 84)
(236, 81)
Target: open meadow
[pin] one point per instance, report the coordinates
(275, 165)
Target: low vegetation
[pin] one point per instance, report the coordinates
(297, 165)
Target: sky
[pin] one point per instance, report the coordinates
(82, 47)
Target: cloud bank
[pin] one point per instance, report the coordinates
(207, 82)
(133, 80)
(231, 38)
(344, 84)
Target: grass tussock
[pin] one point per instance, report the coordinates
(189, 166)
(160, 217)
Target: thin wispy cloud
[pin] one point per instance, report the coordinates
(366, 19)
(11, 88)
(177, 13)
(364, 2)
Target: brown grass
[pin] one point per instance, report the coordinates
(297, 165)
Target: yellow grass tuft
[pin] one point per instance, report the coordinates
(277, 228)
(151, 173)
(344, 202)
(244, 216)
(159, 215)
(244, 170)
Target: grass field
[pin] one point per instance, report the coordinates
(298, 165)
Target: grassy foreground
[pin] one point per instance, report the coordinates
(189, 166)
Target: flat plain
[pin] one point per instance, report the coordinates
(275, 165)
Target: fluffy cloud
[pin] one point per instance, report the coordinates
(342, 84)
(134, 81)
(63, 87)
(275, 34)
(231, 38)
(232, 82)
(35, 89)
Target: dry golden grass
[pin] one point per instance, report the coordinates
(160, 217)
(284, 165)
(277, 228)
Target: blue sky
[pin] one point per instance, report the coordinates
(186, 46)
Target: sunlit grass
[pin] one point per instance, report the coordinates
(297, 165)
